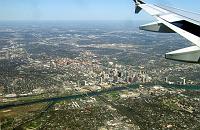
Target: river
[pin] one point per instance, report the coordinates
(95, 93)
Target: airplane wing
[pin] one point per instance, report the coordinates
(171, 20)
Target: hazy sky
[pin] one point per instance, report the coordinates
(81, 9)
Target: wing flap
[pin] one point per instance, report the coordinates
(156, 27)
(189, 54)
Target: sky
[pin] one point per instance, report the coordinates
(82, 9)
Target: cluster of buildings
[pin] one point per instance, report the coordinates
(123, 75)
(182, 81)
(84, 71)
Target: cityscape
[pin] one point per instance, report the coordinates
(83, 75)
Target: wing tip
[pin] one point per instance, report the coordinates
(137, 7)
(139, 2)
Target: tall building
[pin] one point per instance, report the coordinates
(135, 79)
(119, 74)
(115, 72)
(78, 83)
(143, 79)
(84, 83)
(129, 79)
(184, 81)
(100, 80)
(52, 64)
(166, 80)
(7, 56)
(115, 79)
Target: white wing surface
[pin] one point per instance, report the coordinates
(170, 20)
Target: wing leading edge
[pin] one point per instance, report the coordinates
(171, 21)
